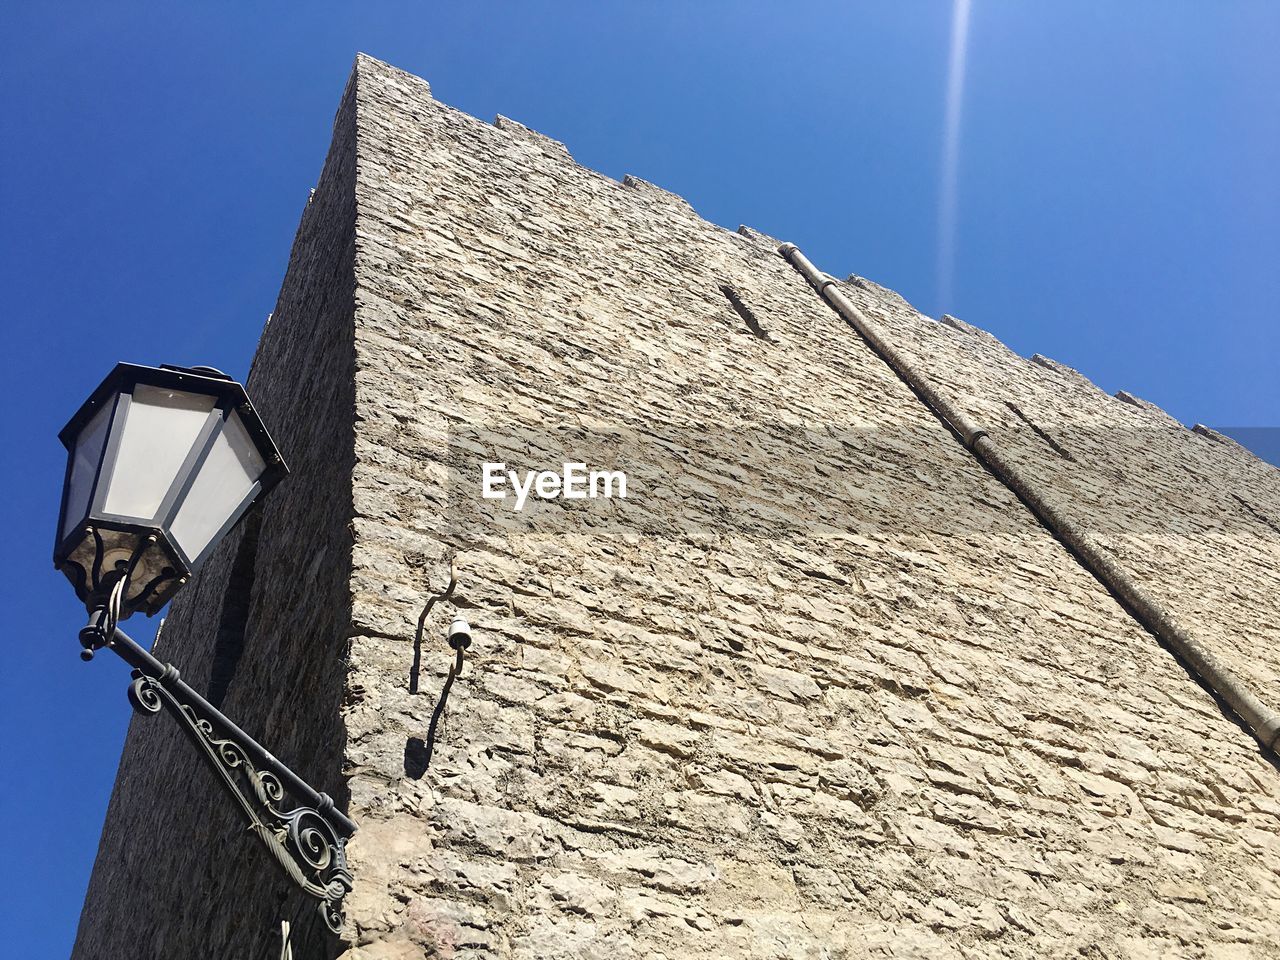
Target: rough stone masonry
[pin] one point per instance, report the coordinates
(820, 687)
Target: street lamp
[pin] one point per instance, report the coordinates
(162, 463)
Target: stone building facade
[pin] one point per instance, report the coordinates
(821, 686)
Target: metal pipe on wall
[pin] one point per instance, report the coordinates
(1260, 719)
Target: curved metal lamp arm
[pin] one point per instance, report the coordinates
(308, 841)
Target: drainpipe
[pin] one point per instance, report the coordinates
(1260, 719)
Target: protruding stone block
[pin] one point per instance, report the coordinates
(553, 148)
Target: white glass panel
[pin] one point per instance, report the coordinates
(232, 467)
(88, 451)
(159, 432)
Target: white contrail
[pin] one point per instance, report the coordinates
(949, 185)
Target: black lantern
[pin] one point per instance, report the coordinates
(163, 461)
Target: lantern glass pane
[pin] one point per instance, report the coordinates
(159, 431)
(84, 466)
(225, 478)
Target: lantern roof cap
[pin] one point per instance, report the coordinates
(213, 372)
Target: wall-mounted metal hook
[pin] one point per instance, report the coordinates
(422, 622)
(417, 751)
(459, 639)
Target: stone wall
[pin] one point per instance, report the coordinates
(819, 687)
(822, 686)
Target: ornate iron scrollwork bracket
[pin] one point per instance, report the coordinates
(301, 839)
(308, 840)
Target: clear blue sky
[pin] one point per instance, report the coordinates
(1117, 207)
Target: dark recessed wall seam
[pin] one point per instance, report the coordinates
(1040, 432)
(743, 311)
(233, 623)
(1260, 719)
